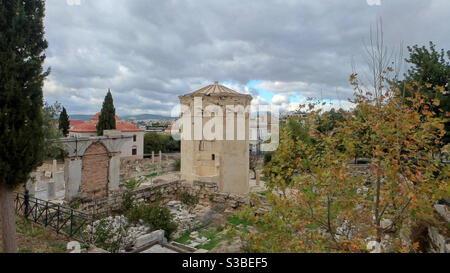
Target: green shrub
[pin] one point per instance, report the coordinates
(177, 165)
(153, 215)
(185, 238)
(132, 183)
(157, 142)
(75, 204)
(127, 201)
(107, 237)
(267, 157)
(152, 175)
(188, 199)
(236, 221)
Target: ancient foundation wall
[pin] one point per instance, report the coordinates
(164, 192)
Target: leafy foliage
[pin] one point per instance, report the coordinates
(298, 130)
(132, 183)
(330, 120)
(267, 157)
(430, 69)
(157, 142)
(188, 199)
(52, 149)
(154, 215)
(177, 165)
(107, 236)
(317, 204)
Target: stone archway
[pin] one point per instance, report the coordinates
(94, 177)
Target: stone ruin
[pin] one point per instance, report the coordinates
(91, 170)
(47, 182)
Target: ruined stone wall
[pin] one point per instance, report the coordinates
(95, 172)
(164, 192)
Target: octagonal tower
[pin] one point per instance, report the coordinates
(215, 148)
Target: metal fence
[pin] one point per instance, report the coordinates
(62, 219)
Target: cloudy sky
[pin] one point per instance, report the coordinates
(148, 52)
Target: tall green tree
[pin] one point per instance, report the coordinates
(107, 118)
(52, 148)
(430, 74)
(64, 122)
(22, 46)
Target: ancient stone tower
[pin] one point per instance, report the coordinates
(223, 157)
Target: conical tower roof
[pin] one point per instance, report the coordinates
(215, 90)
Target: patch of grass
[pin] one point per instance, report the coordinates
(57, 247)
(151, 175)
(236, 221)
(312, 226)
(210, 234)
(264, 193)
(34, 238)
(132, 183)
(245, 230)
(25, 250)
(185, 238)
(213, 239)
(216, 236)
(210, 245)
(188, 199)
(28, 229)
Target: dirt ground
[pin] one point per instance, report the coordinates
(34, 238)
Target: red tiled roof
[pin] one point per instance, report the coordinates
(90, 126)
(84, 127)
(76, 122)
(127, 127)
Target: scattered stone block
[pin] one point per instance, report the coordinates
(438, 242)
(155, 236)
(443, 211)
(51, 190)
(374, 247)
(385, 223)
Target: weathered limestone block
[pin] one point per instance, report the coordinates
(72, 177)
(438, 242)
(114, 173)
(155, 236)
(443, 211)
(51, 190)
(59, 180)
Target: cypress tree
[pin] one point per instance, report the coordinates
(64, 122)
(107, 118)
(22, 44)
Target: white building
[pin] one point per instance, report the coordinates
(133, 148)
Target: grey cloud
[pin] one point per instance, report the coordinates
(149, 52)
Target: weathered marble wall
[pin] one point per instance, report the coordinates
(164, 192)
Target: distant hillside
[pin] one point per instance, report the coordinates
(145, 116)
(80, 117)
(137, 117)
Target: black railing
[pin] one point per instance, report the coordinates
(62, 219)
